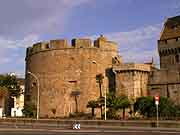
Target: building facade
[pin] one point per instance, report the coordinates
(65, 76)
(16, 111)
(132, 79)
(166, 80)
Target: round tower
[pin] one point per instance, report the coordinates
(65, 75)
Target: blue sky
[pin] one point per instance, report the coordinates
(134, 24)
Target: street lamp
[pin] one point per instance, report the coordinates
(94, 62)
(105, 106)
(37, 115)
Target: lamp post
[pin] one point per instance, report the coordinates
(37, 115)
(94, 62)
(105, 106)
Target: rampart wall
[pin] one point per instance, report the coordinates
(67, 74)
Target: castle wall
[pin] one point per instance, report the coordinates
(132, 80)
(166, 80)
(63, 70)
(165, 83)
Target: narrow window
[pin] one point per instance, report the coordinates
(177, 58)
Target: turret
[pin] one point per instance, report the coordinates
(169, 44)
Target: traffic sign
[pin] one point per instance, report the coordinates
(157, 99)
(157, 102)
(76, 126)
(157, 112)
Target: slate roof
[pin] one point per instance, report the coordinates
(171, 28)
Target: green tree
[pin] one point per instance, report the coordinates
(92, 104)
(111, 105)
(115, 103)
(101, 103)
(99, 80)
(167, 108)
(122, 103)
(30, 110)
(13, 90)
(146, 106)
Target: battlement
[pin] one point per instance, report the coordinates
(132, 67)
(165, 43)
(61, 44)
(169, 46)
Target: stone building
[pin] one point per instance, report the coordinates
(16, 111)
(132, 79)
(67, 74)
(166, 80)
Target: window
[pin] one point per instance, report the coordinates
(175, 27)
(177, 58)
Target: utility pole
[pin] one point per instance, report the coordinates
(37, 115)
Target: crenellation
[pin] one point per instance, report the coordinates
(168, 43)
(81, 43)
(62, 44)
(104, 44)
(37, 47)
(59, 44)
(132, 67)
(45, 46)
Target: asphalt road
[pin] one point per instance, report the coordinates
(85, 132)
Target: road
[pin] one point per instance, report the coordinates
(86, 132)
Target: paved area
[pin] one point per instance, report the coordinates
(86, 132)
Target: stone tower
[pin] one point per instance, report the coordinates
(166, 80)
(132, 79)
(169, 44)
(67, 74)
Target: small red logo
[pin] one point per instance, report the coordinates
(157, 98)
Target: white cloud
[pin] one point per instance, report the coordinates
(138, 45)
(14, 44)
(136, 36)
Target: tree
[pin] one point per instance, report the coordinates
(99, 80)
(115, 103)
(146, 106)
(167, 108)
(92, 104)
(111, 105)
(122, 103)
(13, 90)
(30, 110)
(101, 103)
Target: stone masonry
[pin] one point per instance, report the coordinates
(64, 70)
(67, 73)
(166, 80)
(132, 79)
